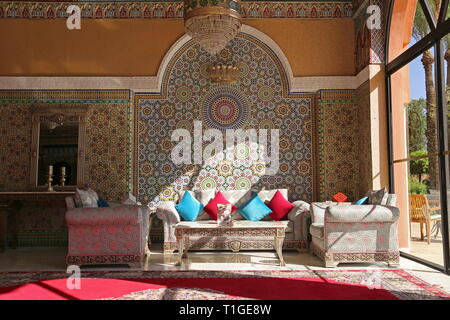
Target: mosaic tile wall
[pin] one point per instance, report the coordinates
(107, 159)
(108, 129)
(258, 101)
(338, 140)
(15, 146)
(108, 149)
(364, 139)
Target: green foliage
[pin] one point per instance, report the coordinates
(421, 27)
(419, 166)
(417, 124)
(415, 187)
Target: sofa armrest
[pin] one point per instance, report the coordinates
(299, 208)
(166, 211)
(318, 209)
(362, 213)
(299, 215)
(106, 216)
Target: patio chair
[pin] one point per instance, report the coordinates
(420, 211)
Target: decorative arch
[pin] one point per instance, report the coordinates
(271, 47)
(262, 99)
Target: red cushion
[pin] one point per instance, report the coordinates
(211, 207)
(280, 206)
(340, 197)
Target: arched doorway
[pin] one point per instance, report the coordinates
(416, 71)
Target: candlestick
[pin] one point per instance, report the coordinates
(63, 176)
(49, 182)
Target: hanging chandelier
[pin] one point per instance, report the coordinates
(212, 23)
(223, 74)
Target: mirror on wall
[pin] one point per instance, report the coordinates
(58, 148)
(57, 145)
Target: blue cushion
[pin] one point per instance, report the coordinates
(189, 207)
(255, 209)
(102, 203)
(364, 200)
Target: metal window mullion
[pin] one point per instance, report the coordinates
(418, 48)
(429, 16)
(443, 143)
(443, 12)
(390, 137)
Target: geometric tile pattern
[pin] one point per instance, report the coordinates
(107, 154)
(258, 101)
(370, 43)
(109, 127)
(36, 220)
(337, 122)
(364, 134)
(15, 146)
(108, 149)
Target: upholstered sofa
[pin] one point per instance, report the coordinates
(112, 235)
(342, 232)
(296, 233)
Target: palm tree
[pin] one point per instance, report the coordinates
(420, 30)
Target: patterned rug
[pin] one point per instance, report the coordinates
(219, 285)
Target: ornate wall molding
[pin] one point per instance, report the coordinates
(171, 10)
(153, 84)
(369, 43)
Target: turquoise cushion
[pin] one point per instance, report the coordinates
(255, 209)
(189, 207)
(364, 200)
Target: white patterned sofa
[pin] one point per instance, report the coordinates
(342, 232)
(113, 235)
(296, 234)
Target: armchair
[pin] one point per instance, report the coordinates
(113, 235)
(342, 232)
(421, 211)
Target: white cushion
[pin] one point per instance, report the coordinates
(130, 199)
(87, 197)
(267, 195)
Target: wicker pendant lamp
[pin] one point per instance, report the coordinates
(212, 23)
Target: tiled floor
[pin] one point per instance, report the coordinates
(46, 259)
(432, 252)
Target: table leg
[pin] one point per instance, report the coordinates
(180, 241)
(279, 249)
(186, 247)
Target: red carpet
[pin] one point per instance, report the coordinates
(289, 285)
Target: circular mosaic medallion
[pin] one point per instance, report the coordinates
(265, 93)
(207, 183)
(242, 151)
(225, 108)
(242, 183)
(183, 94)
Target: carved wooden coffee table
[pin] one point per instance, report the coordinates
(240, 228)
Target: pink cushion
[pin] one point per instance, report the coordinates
(280, 206)
(211, 207)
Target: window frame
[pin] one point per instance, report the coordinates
(438, 29)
